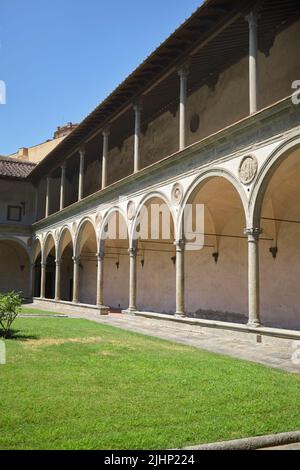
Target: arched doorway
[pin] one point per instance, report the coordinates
(216, 284)
(278, 210)
(114, 243)
(86, 252)
(37, 259)
(49, 258)
(156, 263)
(14, 267)
(65, 256)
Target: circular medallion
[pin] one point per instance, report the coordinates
(248, 169)
(177, 193)
(130, 210)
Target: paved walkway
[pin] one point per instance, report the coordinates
(277, 354)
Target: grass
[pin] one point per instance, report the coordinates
(75, 384)
(36, 311)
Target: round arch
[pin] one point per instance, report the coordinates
(106, 219)
(265, 175)
(85, 222)
(48, 246)
(65, 238)
(202, 179)
(15, 266)
(65, 253)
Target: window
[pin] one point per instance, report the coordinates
(14, 213)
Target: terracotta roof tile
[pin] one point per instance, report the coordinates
(12, 168)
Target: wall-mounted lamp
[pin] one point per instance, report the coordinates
(118, 264)
(274, 250)
(173, 259)
(142, 262)
(81, 266)
(216, 256)
(22, 267)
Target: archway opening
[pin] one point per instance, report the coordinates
(65, 254)
(156, 263)
(280, 255)
(216, 268)
(14, 268)
(49, 257)
(37, 259)
(87, 252)
(114, 242)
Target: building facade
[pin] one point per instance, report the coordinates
(210, 119)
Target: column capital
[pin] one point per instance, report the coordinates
(133, 252)
(138, 105)
(82, 151)
(252, 15)
(180, 245)
(63, 165)
(76, 259)
(254, 232)
(106, 131)
(184, 70)
(100, 256)
(58, 262)
(43, 264)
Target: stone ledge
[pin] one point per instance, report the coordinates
(252, 443)
(69, 307)
(234, 327)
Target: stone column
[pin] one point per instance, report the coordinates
(132, 279)
(105, 134)
(47, 208)
(62, 187)
(76, 262)
(81, 173)
(100, 284)
(43, 279)
(180, 250)
(253, 276)
(57, 279)
(137, 132)
(183, 74)
(252, 21)
(36, 201)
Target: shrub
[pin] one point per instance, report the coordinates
(10, 306)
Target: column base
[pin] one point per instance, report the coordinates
(103, 310)
(179, 315)
(254, 324)
(129, 311)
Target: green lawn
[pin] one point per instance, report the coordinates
(36, 311)
(75, 384)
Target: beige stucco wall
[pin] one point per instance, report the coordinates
(14, 193)
(38, 152)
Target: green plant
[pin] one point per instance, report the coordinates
(10, 306)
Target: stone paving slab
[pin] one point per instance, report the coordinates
(276, 354)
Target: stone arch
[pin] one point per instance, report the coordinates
(216, 261)
(85, 253)
(48, 245)
(265, 174)
(15, 266)
(48, 258)
(65, 236)
(114, 242)
(204, 178)
(156, 257)
(274, 207)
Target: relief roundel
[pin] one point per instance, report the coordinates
(130, 210)
(248, 169)
(177, 193)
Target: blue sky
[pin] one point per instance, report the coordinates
(60, 58)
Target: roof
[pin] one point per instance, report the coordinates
(12, 168)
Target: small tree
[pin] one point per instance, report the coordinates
(10, 306)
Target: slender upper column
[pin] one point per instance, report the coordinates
(253, 276)
(76, 262)
(253, 41)
(43, 279)
(132, 279)
(57, 279)
(137, 132)
(183, 74)
(62, 187)
(180, 250)
(105, 134)
(81, 173)
(32, 279)
(36, 202)
(47, 208)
